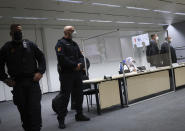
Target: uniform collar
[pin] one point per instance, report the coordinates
(70, 40)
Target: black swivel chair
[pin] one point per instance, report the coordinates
(88, 91)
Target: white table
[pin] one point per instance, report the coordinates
(138, 85)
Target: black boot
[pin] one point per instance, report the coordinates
(81, 117)
(61, 123)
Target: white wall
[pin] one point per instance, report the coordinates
(39, 41)
(51, 36)
(126, 46)
(177, 32)
(103, 69)
(112, 48)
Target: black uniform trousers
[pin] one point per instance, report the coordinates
(27, 98)
(70, 82)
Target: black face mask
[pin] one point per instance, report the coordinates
(17, 35)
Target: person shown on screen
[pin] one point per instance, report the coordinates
(165, 52)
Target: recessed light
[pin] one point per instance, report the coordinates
(136, 8)
(108, 5)
(30, 18)
(179, 13)
(124, 22)
(162, 11)
(70, 1)
(77, 20)
(163, 24)
(145, 23)
(101, 21)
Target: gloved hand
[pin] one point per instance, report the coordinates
(37, 77)
(78, 68)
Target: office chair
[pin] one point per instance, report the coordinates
(88, 92)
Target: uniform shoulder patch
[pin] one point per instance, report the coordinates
(59, 49)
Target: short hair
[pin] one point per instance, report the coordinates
(152, 36)
(14, 26)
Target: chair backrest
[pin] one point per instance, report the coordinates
(86, 86)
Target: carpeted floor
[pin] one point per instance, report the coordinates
(165, 113)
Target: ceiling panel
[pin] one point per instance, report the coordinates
(52, 9)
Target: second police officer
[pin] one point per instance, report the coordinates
(69, 55)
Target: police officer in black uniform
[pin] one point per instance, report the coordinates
(26, 64)
(68, 55)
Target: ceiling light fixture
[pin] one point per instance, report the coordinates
(70, 1)
(101, 21)
(29, 18)
(179, 13)
(162, 11)
(77, 20)
(124, 22)
(108, 5)
(136, 8)
(163, 24)
(145, 23)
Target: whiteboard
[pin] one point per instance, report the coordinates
(140, 40)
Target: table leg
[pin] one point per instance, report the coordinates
(97, 99)
(125, 91)
(121, 94)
